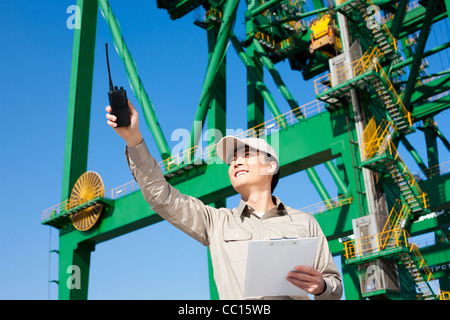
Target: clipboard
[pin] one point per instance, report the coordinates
(269, 262)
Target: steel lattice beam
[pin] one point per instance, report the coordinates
(410, 86)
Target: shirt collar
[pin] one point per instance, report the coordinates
(279, 209)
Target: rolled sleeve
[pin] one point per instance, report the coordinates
(333, 290)
(137, 154)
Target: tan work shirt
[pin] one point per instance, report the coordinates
(227, 231)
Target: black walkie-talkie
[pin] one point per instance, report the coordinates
(118, 100)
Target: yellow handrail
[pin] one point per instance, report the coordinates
(423, 265)
(410, 179)
(390, 16)
(444, 295)
(329, 204)
(366, 62)
(375, 138)
(394, 215)
(375, 243)
(284, 44)
(376, 141)
(398, 213)
(213, 12)
(358, 67)
(391, 88)
(372, 244)
(264, 37)
(391, 39)
(369, 61)
(439, 169)
(178, 159)
(68, 204)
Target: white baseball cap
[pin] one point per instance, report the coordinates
(229, 144)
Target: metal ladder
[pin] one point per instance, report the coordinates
(422, 285)
(405, 188)
(392, 108)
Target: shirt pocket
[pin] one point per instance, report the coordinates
(236, 244)
(278, 234)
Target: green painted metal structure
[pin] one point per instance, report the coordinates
(279, 30)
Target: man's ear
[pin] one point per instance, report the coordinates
(272, 168)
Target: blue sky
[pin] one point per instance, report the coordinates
(157, 262)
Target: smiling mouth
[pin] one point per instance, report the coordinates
(240, 173)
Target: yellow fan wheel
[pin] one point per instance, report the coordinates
(88, 187)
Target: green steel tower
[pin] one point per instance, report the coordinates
(366, 62)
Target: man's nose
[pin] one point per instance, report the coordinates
(239, 161)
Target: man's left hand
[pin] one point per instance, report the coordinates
(307, 279)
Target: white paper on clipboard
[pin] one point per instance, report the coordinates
(269, 262)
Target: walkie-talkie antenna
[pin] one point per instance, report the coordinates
(111, 86)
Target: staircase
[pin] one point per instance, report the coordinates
(400, 117)
(398, 217)
(379, 33)
(381, 37)
(413, 197)
(378, 150)
(397, 243)
(385, 97)
(378, 143)
(366, 70)
(418, 269)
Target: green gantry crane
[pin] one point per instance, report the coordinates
(366, 61)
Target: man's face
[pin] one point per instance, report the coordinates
(249, 170)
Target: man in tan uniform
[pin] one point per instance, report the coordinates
(253, 172)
